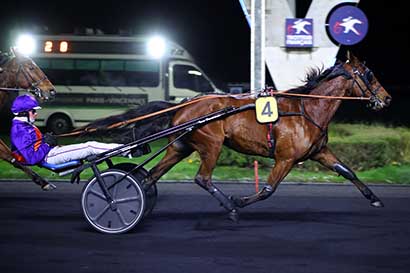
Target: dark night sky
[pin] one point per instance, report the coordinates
(215, 31)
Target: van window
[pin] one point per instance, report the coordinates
(188, 77)
(62, 64)
(112, 65)
(43, 63)
(88, 65)
(142, 66)
(94, 72)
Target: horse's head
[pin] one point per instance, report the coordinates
(27, 75)
(365, 84)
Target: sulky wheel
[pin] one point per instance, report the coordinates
(151, 194)
(127, 208)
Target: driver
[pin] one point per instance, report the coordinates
(31, 147)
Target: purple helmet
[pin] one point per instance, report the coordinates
(24, 103)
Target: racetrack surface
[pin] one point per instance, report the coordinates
(301, 228)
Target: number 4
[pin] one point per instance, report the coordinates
(266, 110)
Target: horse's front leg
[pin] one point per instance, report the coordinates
(329, 160)
(277, 174)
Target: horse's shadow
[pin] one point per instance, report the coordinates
(220, 221)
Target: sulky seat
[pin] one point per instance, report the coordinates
(63, 168)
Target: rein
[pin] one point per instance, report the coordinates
(6, 89)
(126, 122)
(276, 93)
(284, 94)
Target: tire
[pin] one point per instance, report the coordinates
(59, 124)
(151, 194)
(128, 196)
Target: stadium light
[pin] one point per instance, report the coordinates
(156, 47)
(26, 44)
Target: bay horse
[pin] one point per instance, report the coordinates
(17, 73)
(300, 133)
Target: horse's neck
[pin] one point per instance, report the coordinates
(3, 79)
(323, 110)
(6, 77)
(6, 80)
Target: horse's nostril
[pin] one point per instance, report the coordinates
(387, 100)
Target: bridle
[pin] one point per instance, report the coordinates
(33, 85)
(366, 77)
(34, 89)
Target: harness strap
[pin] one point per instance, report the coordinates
(271, 140)
(303, 114)
(270, 136)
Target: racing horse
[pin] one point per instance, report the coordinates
(17, 73)
(300, 133)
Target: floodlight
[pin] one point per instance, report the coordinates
(156, 47)
(26, 44)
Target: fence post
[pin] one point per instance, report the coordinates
(255, 164)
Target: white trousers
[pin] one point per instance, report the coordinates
(65, 153)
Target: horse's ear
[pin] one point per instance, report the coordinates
(13, 50)
(16, 52)
(351, 58)
(348, 56)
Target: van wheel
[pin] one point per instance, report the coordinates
(59, 124)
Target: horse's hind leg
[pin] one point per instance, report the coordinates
(175, 153)
(37, 179)
(277, 174)
(6, 155)
(328, 159)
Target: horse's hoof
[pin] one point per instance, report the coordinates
(233, 216)
(48, 187)
(237, 201)
(377, 204)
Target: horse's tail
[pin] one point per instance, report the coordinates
(133, 130)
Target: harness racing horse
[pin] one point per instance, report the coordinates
(17, 73)
(300, 133)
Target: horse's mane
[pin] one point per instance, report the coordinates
(317, 75)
